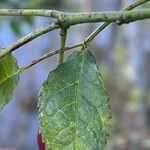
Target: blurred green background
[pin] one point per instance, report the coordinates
(123, 54)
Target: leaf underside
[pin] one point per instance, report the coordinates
(74, 110)
(8, 81)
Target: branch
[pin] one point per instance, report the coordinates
(30, 12)
(88, 39)
(120, 17)
(68, 19)
(104, 25)
(36, 33)
(49, 55)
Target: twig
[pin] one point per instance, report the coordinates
(30, 12)
(69, 19)
(36, 33)
(104, 25)
(49, 55)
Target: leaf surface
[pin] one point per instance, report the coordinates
(74, 110)
(8, 81)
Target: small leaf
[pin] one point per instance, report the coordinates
(74, 109)
(8, 81)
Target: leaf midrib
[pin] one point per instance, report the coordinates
(78, 89)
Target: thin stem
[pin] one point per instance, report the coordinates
(104, 25)
(30, 12)
(88, 39)
(135, 4)
(36, 33)
(49, 55)
(63, 35)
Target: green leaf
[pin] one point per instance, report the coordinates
(8, 79)
(74, 108)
